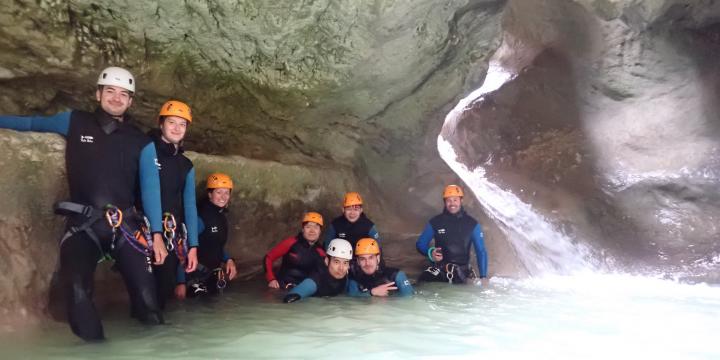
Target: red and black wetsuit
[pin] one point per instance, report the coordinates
(299, 260)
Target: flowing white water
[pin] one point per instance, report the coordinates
(540, 246)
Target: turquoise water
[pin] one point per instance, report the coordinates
(571, 317)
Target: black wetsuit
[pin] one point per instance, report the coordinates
(176, 181)
(106, 161)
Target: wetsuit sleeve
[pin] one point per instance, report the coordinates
(275, 253)
(354, 290)
(226, 256)
(58, 123)
(180, 276)
(150, 187)
(330, 234)
(305, 289)
(373, 233)
(201, 225)
(403, 284)
(480, 252)
(191, 218)
(423, 242)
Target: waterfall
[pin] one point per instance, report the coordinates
(540, 246)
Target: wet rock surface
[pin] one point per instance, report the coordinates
(608, 129)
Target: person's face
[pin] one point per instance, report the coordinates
(352, 213)
(368, 263)
(453, 204)
(337, 267)
(311, 231)
(173, 129)
(219, 197)
(114, 100)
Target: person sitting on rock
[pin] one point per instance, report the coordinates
(352, 225)
(454, 232)
(109, 161)
(328, 280)
(177, 193)
(373, 279)
(215, 267)
(301, 254)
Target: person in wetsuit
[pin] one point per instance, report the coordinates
(353, 224)
(107, 158)
(328, 280)
(301, 254)
(454, 232)
(371, 278)
(215, 267)
(177, 192)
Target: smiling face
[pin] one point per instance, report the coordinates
(368, 263)
(337, 267)
(453, 204)
(114, 100)
(173, 129)
(352, 213)
(219, 197)
(311, 231)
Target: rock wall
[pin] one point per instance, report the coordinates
(608, 127)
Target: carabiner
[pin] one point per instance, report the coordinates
(114, 216)
(169, 226)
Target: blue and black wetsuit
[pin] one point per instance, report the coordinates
(361, 284)
(213, 228)
(106, 161)
(320, 283)
(341, 228)
(177, 192)
(454, 234)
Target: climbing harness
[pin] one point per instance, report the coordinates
(180, 246)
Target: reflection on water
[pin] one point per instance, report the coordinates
(559, 317)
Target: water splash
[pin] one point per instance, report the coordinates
(540, 246)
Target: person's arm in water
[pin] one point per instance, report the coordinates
(58, 123)
(423, 244)
(150, 195)
(478, 241)
(403, 284)
(275, 253)
(191, 220)
(354, 289)
(305, 289)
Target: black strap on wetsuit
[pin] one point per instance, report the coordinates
(92, 215)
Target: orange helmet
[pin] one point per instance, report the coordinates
(452, 190)
(176, 108)
(351, 199)
(313, 217)
(367, 246)
(219, 180)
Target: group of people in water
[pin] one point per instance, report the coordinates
(133, 200)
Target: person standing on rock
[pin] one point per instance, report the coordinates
(107, 159)
(371, 278)
(352, 225)
(215, 267)
(454, 232)
(177, 193)
(301, 254)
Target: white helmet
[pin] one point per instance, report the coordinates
(340, 248)
(115, 76)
